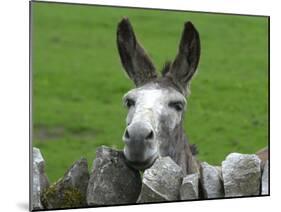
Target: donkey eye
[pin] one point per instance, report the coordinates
(178, 106)
(129, 103)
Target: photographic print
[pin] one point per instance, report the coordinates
(137, 105)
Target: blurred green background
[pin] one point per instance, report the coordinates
(78, 81)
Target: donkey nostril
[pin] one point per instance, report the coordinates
(127, 134)
(150, 135)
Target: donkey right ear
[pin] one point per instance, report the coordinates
(186, 62)
(133, 57)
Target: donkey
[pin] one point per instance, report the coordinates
(156, 106)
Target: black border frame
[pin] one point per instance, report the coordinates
(130, 7)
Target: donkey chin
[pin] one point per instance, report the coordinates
(140, 159)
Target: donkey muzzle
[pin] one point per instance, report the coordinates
(140, 145)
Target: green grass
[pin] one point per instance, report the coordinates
(78, 81)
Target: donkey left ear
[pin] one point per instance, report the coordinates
(134, 59)
(185, 64)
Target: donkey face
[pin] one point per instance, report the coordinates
(156, 105)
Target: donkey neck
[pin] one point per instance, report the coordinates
(172, 142)
(175, 145)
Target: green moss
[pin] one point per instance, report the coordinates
(58, 196)
(73, 198)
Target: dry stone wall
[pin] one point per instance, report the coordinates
(113, 182)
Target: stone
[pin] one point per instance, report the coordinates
(211, 181)
(112, 181)
(70, 190)
(264, 181)
(161, 182)
(40, 180)
(189, 187)
(219, 170)
(241, 175)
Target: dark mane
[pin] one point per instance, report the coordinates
(166, 68)
(168, 80)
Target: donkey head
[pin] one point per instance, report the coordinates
(157, 104)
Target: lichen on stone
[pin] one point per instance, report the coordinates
(70, 190)
(57, 197)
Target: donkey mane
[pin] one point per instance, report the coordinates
(167, 80)
(166, 68)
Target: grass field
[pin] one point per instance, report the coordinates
(78, 81)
